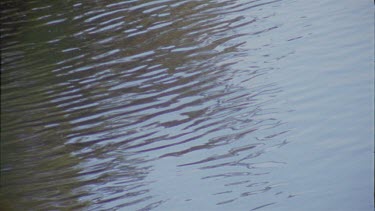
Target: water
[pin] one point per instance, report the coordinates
(187, 105)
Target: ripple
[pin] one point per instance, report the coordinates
(148, 105)
(151, 87)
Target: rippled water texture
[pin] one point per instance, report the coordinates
(177, 105)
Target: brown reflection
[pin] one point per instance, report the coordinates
(99, 86)
(38, 171)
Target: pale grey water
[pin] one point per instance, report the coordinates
(187, 105)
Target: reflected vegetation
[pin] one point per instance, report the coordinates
(132, 105)
(94, 92)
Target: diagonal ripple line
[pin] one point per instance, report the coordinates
(187, 105)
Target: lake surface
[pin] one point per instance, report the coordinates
(177, 105)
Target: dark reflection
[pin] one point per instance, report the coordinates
(95, 92)
(39, 172)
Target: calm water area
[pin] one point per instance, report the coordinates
(181, 105)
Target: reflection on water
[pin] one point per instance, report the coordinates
(180, 105)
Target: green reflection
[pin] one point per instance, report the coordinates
(38, 170)
(56, 54)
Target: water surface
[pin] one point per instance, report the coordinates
(187, 105)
